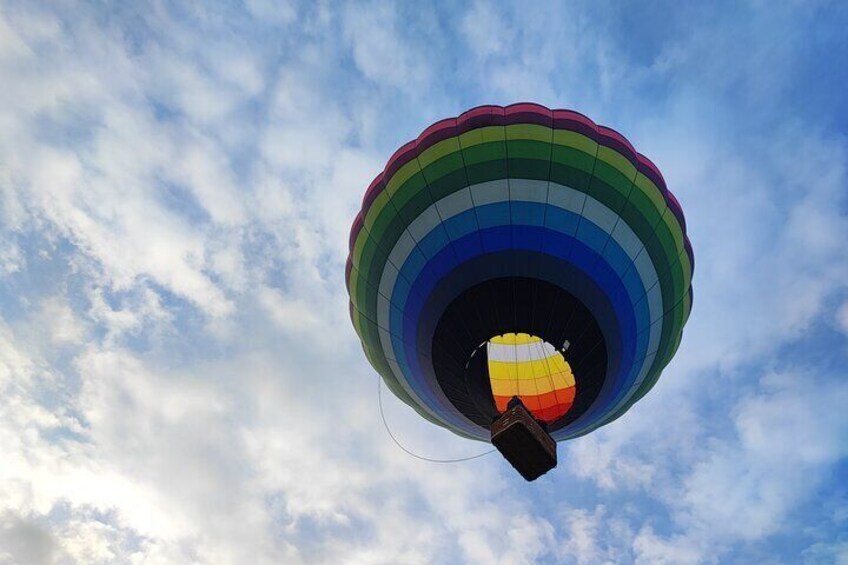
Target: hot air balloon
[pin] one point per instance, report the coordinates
(519, 268)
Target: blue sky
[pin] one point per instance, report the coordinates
(179, 380)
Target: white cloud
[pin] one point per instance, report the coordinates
(594, 537)
(277, 12)
(57, 316)
(11, 258)
(842, 317)
(744, 489)
(769, 269)
(379, 49)
(182, 384)
(651, 549)
(291, 315)
(131, 315)
(22, 541)
(101, 199)
(836, 552)
(485, 30)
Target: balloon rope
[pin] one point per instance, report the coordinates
(394, 439)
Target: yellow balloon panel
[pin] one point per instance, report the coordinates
(526, 366)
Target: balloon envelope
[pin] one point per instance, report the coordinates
(519, 231)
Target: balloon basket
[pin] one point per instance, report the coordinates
(524, 442)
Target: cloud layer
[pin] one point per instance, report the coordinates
(179, 381)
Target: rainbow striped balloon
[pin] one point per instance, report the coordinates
(516, 226)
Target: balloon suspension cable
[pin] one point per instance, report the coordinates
(397, 443)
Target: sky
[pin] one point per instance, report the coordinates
(179, 378)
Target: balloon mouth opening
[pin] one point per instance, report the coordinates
(526, 366)
(484, 316)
